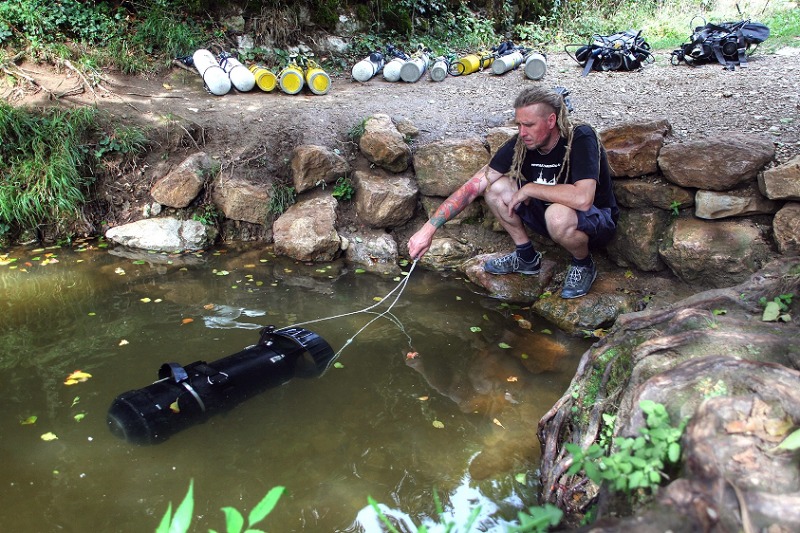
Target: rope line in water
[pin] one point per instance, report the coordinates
(387, 314)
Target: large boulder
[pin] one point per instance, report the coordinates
(179, 187)
(443, 166)
(786, 227)
(637, 239)
(651, 192)
(633, 147)
(782, 182)
(383, 144)
(307, 230)
(314, 165)
(241, 199)
(714, 254)
(384, 201)
(717, 163)
(737, 203)
(166, 234)
(374, 250)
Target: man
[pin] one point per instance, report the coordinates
(554, 178)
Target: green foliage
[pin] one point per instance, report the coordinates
(637, 463)
(207, 215)
(343, 189)
(162, 32)
(357, 131)
(44, 163)
(538, 519)
(776, 309)
(674, 208)
(124, 140)
(234, 521)
(40, 22)
(281, 197)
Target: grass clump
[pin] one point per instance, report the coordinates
(49, 158)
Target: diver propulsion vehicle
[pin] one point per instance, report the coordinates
(185, 396)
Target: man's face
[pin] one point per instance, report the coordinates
(536, 125)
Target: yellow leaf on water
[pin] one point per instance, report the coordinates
(497, 423)
(28, 421)
(145, 300)
(49, 436)
(78, 376)
(187, 320)
(208, 306)
(174, 407)
(78, 417)
(377, 299)
(438, 425)
(423, 398)
(511, 379)
(119, 271)
(123, 342)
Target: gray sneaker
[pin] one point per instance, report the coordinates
(578, 281)
(511, 263)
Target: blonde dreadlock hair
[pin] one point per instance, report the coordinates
(555, 101)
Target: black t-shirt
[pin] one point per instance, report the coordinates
(584, 164)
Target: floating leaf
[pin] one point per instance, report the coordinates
(504, 346)
(524, 324)
(138, 262)
(547, 331)
(221, 272)
(377, 299)
(524, 356)
(512, 379)
(458, 298)
(485, 317)
(423, 398)
(438, 425)
(123, 342)
(75, 401)
(77, 377)
(49, 436)
(521, 478)
(187, 320)
(92, 314)
(145, 300)
(359, 271)
(28, 421)
(208, 306)
(475, 329)
(412, 355)
(337, 364)
(174, 407)
(78, 417)
(497, 423)
(119, 271)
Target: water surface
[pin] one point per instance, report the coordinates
(460, 417)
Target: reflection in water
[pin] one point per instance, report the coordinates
(460, 417)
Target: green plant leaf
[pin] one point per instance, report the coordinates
(790, 443)
(183, 514)
(234, 521)
(504, 346)
(474, 329)
(265, 506)
(674, 452)
(771, 312)
(163, 526)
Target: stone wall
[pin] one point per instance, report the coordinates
(709, 212)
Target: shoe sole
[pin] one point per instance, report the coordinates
(526, 272)
(580, 295)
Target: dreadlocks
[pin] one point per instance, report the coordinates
(555, 101)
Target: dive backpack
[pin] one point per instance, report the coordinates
(727, 43)
(625, 50)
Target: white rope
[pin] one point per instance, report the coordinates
(385, 314)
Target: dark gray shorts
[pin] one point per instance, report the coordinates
(596, 222)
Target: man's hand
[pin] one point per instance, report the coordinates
(420, 242)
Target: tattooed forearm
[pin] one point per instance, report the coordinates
(456, 202)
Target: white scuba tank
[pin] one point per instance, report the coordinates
(240, 76)
(214, 77)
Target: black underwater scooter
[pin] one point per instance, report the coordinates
(184, 396)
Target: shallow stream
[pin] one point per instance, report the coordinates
(442, 395)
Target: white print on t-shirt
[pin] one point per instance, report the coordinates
(542, 178)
